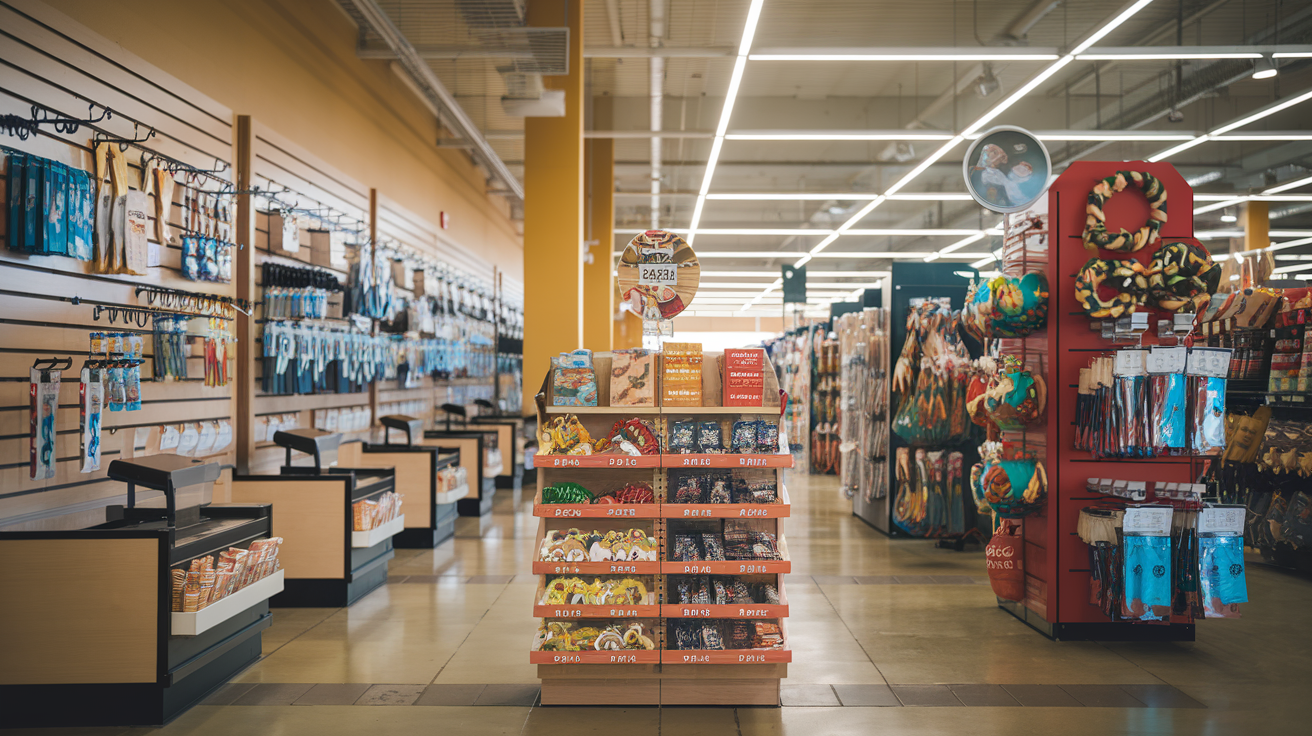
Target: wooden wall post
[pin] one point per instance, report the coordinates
(244, 278)
(373, 248)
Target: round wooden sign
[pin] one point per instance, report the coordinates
(658, 274)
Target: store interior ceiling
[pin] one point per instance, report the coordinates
(767, 131)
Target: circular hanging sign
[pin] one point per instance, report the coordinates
(1006, 169)
(658, 274)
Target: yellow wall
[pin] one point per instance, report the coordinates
(553, 210)
(291, 65)
(598, 276)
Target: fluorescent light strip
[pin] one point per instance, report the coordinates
(738, 231)
(890, 136)
(905, 56)
(918, 232)
(997, 110)
(1218, 133)
(1029, 86)
(1289, 185)
(735, 80)
(1168, 56)
(1291, 269)
(983, 262)
(1289, 244)
(1289, 136)
(1292, 55)
(856, 255)
(931, 197)
(810, 274)
(1232, 233)
(791, 196)
(962, 243)
(928, 162)
(1111, 25)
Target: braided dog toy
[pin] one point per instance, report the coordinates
(1129, 278)
(1095, 223)
(1182, 275)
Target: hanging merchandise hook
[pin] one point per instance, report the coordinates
(41, 116)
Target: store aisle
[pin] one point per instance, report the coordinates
(889, 636)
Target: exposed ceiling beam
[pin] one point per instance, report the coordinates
(432, 91)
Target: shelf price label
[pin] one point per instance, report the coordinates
(658, 274)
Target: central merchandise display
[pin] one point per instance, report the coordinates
(660, 549)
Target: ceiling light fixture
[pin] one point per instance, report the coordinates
(983, 262)
(1264, 67)
(735, 80)
(1228, 216)
(987, 83)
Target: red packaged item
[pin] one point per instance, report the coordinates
(1004, 556)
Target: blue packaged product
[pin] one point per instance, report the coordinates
(1147, 577)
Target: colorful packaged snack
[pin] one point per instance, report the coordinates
(682, 437)
(709, 438)
(744, 438)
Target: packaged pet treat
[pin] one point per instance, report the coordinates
(712, 546)
(709, 439)
(683, 437)
(744, 438)
(767, 437)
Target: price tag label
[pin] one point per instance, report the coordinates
(1130, 362)
(1152, 521)
(1167, 360)
(1209, 362)
(1221, 520)
(658, 274)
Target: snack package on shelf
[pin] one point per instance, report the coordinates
(569, 636)
(732, 539)
(574, 545)
(373, 513)
(572, 493)
(720, 590)
(204, 583)
(632, 378)
(610, 590)
(725, 634)
(566, 435)
(451, 478)
(574, 381)
(682, 379)
(746, 486)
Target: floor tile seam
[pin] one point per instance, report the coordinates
(1138, 666)
(853, 635)
(294, 638)
(468, 634)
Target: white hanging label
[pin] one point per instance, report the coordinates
(1221, 521)
(1152, 521)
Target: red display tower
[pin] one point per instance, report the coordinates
(1056, 560)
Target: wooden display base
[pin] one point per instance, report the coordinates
(666, 684)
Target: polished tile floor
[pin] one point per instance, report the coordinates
(889, 637)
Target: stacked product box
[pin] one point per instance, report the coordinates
(743, 383)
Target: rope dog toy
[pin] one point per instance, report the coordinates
(1182, 275)
(1128, 278)
(1095, 224)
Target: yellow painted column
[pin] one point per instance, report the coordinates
(1257, 225)
(553, 210)
(599, 269)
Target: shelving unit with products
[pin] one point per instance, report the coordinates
(704, 587)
